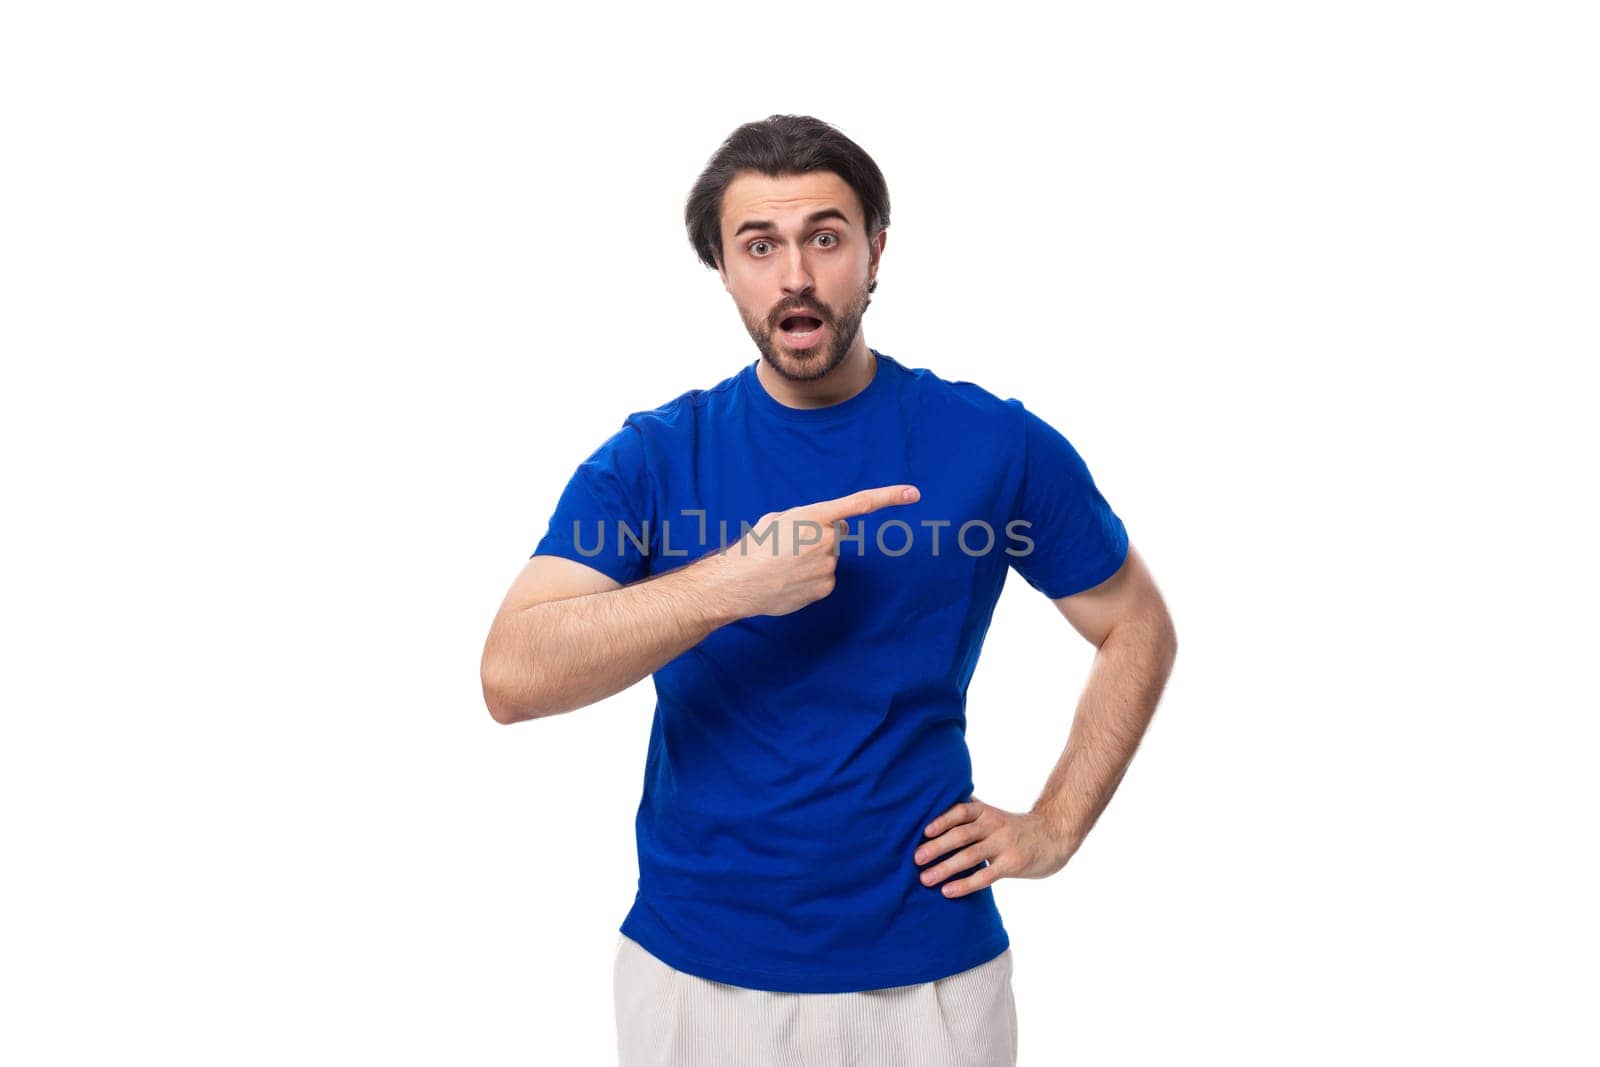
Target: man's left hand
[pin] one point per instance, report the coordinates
(1017, 845)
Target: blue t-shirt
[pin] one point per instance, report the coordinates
(795, 760)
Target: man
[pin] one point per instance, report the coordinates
(806, 557)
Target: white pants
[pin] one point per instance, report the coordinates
(667, 1018)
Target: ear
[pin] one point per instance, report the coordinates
(876, 246)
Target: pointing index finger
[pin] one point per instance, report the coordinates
(864, 501)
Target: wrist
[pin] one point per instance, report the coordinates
(1058, 826)
(707, 579)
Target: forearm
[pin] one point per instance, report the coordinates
(560, 655)
(1125, 683)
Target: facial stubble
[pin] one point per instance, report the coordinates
(808, 365)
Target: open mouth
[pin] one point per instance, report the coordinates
(801, 330)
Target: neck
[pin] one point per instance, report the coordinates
(853, 374)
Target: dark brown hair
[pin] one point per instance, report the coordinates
(778, 146)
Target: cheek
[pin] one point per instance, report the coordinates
(851, 274)
(753, 293)
(848, 293)
(752, 309)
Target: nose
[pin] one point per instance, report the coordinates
(797, 280)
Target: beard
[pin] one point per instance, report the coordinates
(805, 365)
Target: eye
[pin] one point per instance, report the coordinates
(753, 245)
(832, 239)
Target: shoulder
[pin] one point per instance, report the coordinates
(956, 398)
(682, 414)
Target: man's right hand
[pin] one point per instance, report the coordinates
(787, 559)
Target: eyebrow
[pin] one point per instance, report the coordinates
(815, 216)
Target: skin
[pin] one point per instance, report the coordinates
(820, 267)
(568, 635)
(1127, 621)
(824, 267)
(595, 637)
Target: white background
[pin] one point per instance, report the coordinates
(310, 309)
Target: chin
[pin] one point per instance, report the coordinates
(803, 365)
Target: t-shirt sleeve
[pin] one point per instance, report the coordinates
(1077, 541)
(603, 516)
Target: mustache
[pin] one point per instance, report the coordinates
(783, 313)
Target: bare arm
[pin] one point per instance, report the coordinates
(1126, 618)
(568, 635)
